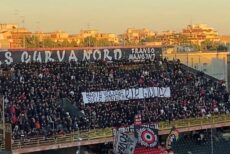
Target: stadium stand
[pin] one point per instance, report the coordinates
(201, 142)
(33, 93)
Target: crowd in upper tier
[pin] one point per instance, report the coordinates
(31, 92)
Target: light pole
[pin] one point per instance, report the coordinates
(89, 36)
(211, 137)
(23, 25)
(16, 14)
(3, 117)
(79, 140)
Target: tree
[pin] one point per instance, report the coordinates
(104, 42)
(89, 41)
(150, 39)
(31, 41)
(213, 46)
(196, 47)
(183, 40)
(65, 43)
(48, 43)
(73, 43)
(222, 47)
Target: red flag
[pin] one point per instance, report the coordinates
(144, 150)
(137, 119)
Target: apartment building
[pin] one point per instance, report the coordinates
(110, 37)
(225, 39)
(59, 36)
(199, 33)
(137, 35)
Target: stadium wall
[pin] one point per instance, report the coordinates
(215, 64)
(12, 56)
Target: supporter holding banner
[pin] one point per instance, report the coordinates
(144, 139)
(131, 128)
(125, 94)
(172, 137)
(124, 143)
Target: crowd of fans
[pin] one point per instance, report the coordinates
(31, 92)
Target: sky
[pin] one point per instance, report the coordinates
(115, 16)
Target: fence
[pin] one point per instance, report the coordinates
(107, 132)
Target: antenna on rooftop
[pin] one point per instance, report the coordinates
(89, 41)
(88, 26)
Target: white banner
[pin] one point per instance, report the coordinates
(125, 94)
(125, 143)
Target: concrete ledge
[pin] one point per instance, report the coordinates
(109, 139)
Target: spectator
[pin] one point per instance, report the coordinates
(31, 95)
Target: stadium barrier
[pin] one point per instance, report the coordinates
(107, 132)
(194, 122)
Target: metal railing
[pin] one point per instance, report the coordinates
(192, 122)
(67, 138)
(107, 132)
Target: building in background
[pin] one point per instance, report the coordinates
(198, 37)
(4, 43)
(18, 38)
(8, 27)
(75, 39)
(5, 34)
(168, 37)
(110, 37)
(199, 33)
(88, 33)
(136, 36)
(59, 36)
(13, 36)
(41, 35)
(225, 39)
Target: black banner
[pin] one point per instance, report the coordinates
(131, 128)
(107, 54)
(146, 136)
